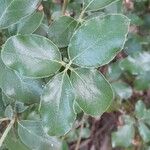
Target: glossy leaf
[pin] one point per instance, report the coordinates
(97, 4)
(57, 105)
(98, 40)
(18, 87)
(61, 30)
(27, 25)
(11, 11)
(124, 136)
(93, 93)
(31, 55)
(33, 136)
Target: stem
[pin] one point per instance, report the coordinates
(64, 7)
(7, 131)
(83, 11)
(79, 139)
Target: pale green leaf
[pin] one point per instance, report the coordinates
(33, 136)
(123, 137)
(31, 55)
(61, 30)
(144, 132)
(57, 105)
(122, 89)
(98, 40)
(11, 11)
(93, 93)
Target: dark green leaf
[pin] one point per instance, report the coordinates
(31, 55)
(18, 87)
(61, 30)
(93, 93)
(98, 40)
(57, 105)
(27, 25)
(11, 11)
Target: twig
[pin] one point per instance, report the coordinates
(64, 7)
(7, 131)
(80, 134)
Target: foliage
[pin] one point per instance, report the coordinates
(51, 54)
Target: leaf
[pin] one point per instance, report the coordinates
(142, 113)
(144, 132)
(33, 136)
(94, 5)
(11, 11)
(137, 64)
(31, 55)
(124, 136)
(20, 107)
(27, 25)
(140, 109)
(61, 30)
(9, 113)
(18, 87)
(93, 93)
(57, 105)
(114, 72)
(142, 81)
(98, 40)
(122, 89)
(12, 142)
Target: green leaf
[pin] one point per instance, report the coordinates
(11, 11)
(123, 137)
(137, 64)
(94, 5)
(142, 113)
(142, 82)
(98, 40)
(61, 30)
(18, 87)
(27, 25)
(57, 105)
(20, 107)
(31, 55)
(12, 142)
(122, 89)
(9, 113)
(140, 109)
(93, 93)
(114, 72)
(144, 132)
(33, 136)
